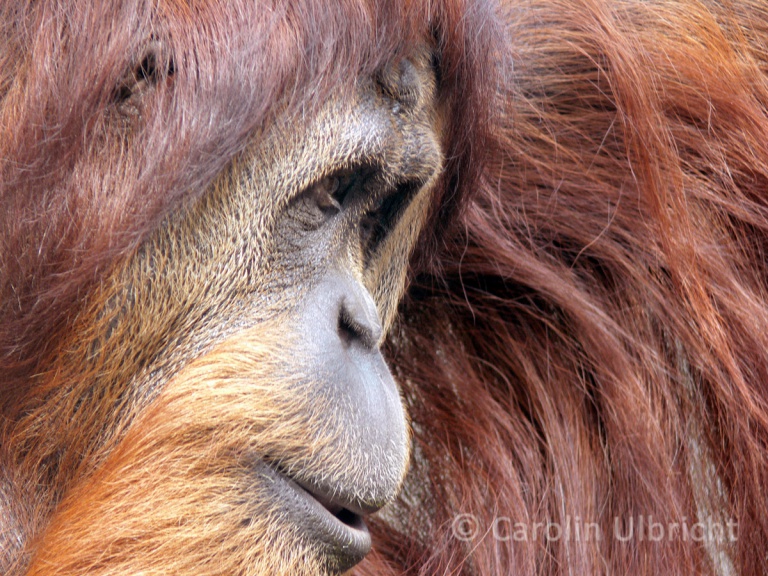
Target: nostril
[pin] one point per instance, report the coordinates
(350, 331)
(346, 331)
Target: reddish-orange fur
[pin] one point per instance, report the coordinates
(587, 340)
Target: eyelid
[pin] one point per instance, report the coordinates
(339, 188)
(379, 220)
(324, 194)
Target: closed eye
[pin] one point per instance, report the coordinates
(378, 203)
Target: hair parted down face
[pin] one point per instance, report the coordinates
(551, 216)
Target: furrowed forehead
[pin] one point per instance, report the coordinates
(234, 66)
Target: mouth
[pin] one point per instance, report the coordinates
(333, 525)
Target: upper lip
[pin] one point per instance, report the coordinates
(343, 510)
(336, 502)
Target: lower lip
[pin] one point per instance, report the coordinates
(342, 537)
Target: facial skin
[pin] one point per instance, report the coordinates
(240, 347)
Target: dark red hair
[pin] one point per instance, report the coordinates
(591, 344)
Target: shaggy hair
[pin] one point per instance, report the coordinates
(584, 338)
